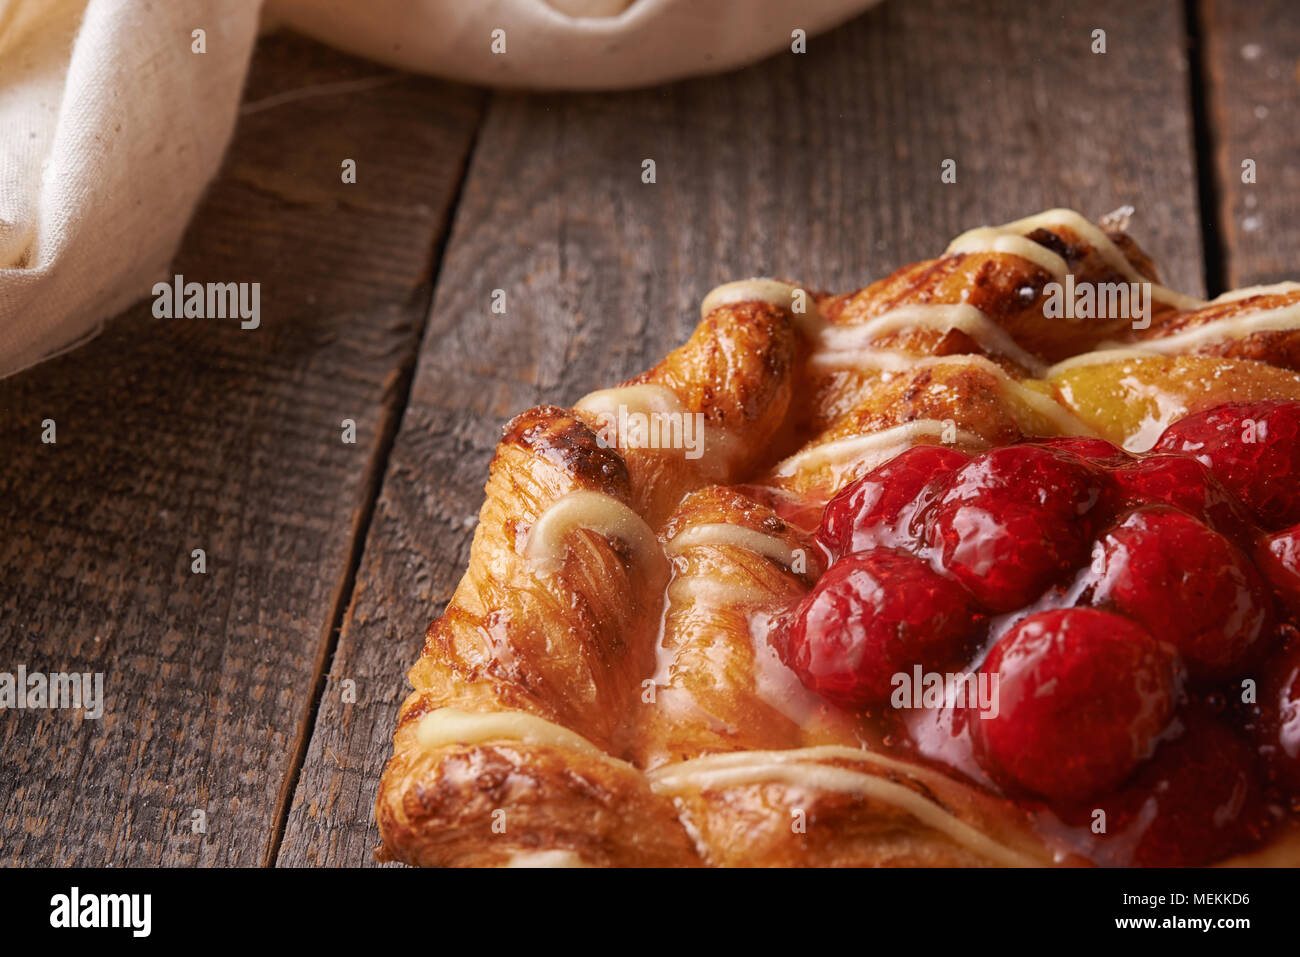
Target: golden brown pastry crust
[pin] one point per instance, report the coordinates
(613, 705)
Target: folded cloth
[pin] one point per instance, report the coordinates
(111, 124)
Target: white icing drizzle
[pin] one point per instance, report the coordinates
(1100, 357)
(545, 546)
(448, 726)
(719, 533)
(996, 239)
(1247, 292)
(864, 360)
(802, 768)
(547, 859)
(874, 448)
(718, 448)
(1282, 319)
(646, 397)
(774, 292)
(1010, 238)
(847, 346)
(1066, 421)
(708, 589)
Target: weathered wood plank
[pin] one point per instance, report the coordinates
(183, 434)
(824, 167)
(1252, 69)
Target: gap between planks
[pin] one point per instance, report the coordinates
(398, 397)
(1205, 143)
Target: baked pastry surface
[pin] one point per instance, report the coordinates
(601, 689)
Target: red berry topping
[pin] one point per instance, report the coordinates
(1187, 585)
(872, 616)
(1015, 519)
(873, 511)
(1185, 484)
(1199, 800)
(1082, 696)
(1278, 727)
(1278, 557)
(1096, 450)
(1253, 448)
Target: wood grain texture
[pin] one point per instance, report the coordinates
(1252, 68)
(182, 434)
(823, 167)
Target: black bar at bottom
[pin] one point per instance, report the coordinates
(369, 907)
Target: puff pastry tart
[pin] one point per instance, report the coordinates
(969, 568)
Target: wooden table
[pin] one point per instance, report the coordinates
(263, 693)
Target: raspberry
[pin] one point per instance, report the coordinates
(1185, 584)
(1253, 448)
(1013, 520)
(1278, 726)
(1082, 696)
(1185, 484)
(871, 616)
(874, 510)
(1278, 557)
(1098, 451)
(1197, 801)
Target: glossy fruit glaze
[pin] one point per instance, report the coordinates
(1137, 616)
